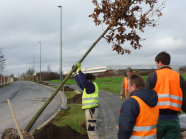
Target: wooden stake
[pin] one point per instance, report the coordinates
(14, 117)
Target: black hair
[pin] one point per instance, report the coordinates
(90, 76)
(164, 57)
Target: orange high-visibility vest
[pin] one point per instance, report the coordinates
(146, 121)
(125, 85)
(170, 95)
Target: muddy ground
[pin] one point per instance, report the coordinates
(66, 88)
(50, 131)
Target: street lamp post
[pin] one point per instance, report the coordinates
(61, 72)
(63, 97)
(40, 60)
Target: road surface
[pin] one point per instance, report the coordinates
(26, 99)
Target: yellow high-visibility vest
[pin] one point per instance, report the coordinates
(90, 100)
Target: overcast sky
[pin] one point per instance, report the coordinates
(24, 23)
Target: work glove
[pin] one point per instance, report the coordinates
(78, 66)
(121, 97)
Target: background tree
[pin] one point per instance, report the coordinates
(12, 75)
(182, 69)
(30, 74)
(2, 61)
(48, 69)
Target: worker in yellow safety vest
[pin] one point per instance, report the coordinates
(90, 101)
(124, 92)
(139, 114)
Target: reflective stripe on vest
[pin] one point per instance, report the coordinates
(146, 137)
(168, 103)
(143, 128)
(86, 104)
(146, 121)
(168, 88)
(170, 96)
(90, 100)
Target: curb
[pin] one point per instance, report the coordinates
(49, 119)
(46, 122)
(55, 114)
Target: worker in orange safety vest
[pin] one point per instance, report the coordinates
(170, 87)
(124, 92)
(139, 114)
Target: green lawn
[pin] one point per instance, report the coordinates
(72, 117)
(110, 84)
(69, 81)
(184, 75)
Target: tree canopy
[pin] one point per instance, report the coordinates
(126, 18)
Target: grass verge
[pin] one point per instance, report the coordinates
(110, 84)
(73, 117)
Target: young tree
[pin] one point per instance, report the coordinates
(124, 18)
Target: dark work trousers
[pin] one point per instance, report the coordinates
(168, 129)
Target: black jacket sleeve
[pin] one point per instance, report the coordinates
(151, 81)
(127, 119)
(83, 83)
(78, 81)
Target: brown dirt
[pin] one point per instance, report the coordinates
(12, 133)
(66, 88)
(51, 131)
(77, 99)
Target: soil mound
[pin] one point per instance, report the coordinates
(12, 133)
(51, 131)
(66, 88)
(77, 99)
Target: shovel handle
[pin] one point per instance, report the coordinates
(14, 117)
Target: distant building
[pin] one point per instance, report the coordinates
(101, 69)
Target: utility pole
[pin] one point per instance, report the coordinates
(33, 63)
(40, 60)
(61, 72)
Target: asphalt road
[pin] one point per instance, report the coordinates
(109, 112)
(26, 99)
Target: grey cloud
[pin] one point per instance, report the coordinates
(31, 21)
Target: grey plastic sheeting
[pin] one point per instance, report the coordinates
(182, 119)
